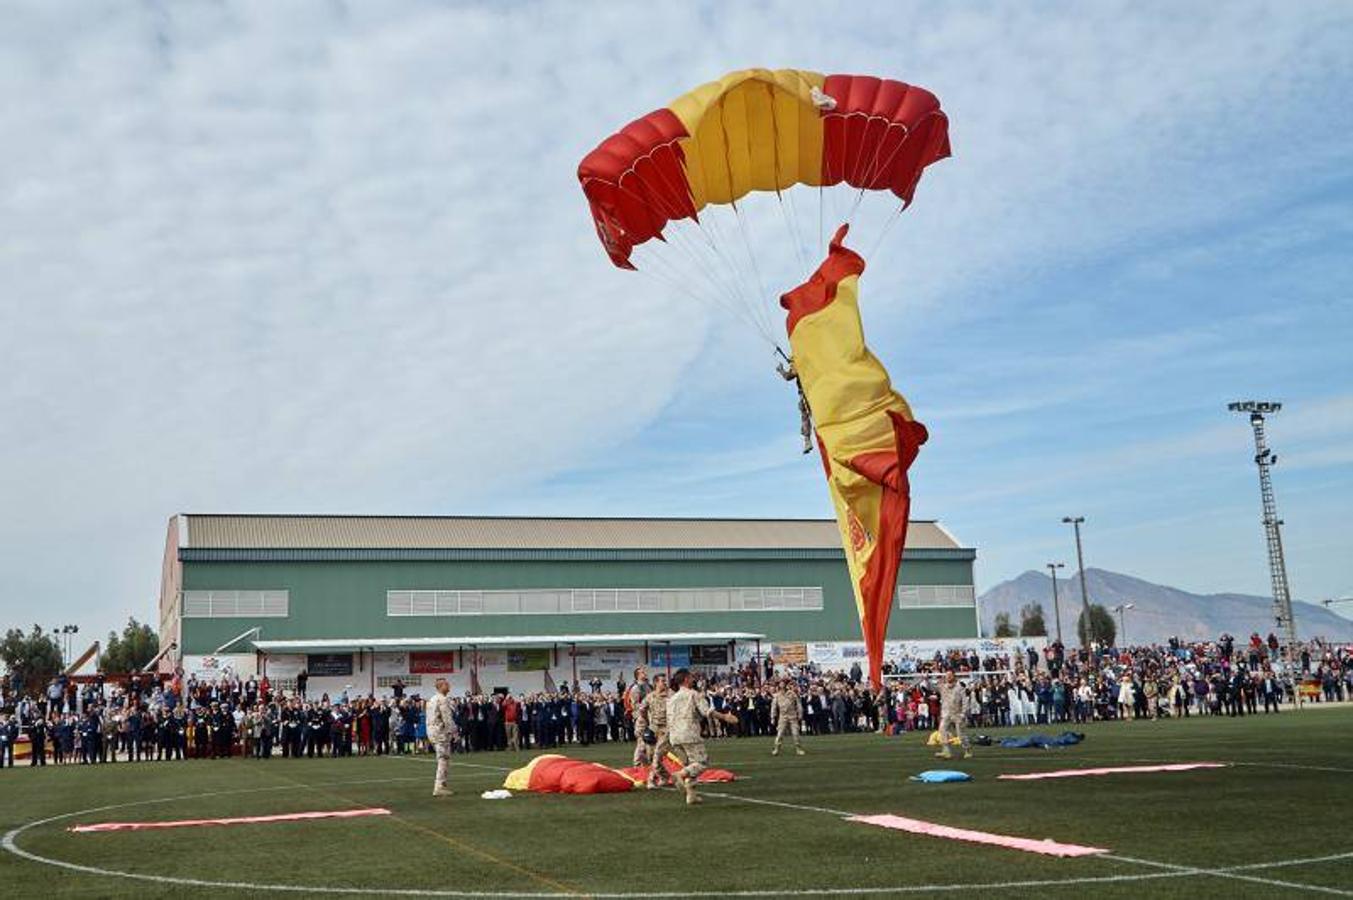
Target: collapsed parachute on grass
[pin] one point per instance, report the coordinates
(552, 773)
(667, 176)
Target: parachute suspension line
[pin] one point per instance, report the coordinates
(791, 222)
(759, 295)
(756, 268)
(887, 226)
(799, 244)
(875, 170)
(663, 272)
(708, 227)
(713, 229)
(821, 237)
(716, 293)
(792, 227)
(722, 283)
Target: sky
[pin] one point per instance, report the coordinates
(332, 257)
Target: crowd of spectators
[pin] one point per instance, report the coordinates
(147, 719)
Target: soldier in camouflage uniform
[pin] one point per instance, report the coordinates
(634, 701)
(784, 715)
(953, 706)
(654, 708)
(687, 710)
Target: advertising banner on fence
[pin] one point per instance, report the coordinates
(841, 655)
(791, 654)
(212, 667)
(432, 662)
(391, 663)
(709, 655)
(535, 659)
(284, 666)
(680, 656)
(322, 664)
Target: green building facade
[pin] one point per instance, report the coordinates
(520, 601)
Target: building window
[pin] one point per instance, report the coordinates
(911, 596)
(600, 600)
(236, 604)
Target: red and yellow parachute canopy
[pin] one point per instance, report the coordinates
(759, 130)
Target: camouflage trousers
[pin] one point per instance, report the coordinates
(694, 758)
(787, 727)
(952, 725)
(658, 771)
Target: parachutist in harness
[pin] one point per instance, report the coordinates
(787, 372)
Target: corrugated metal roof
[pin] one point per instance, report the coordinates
(289, 532)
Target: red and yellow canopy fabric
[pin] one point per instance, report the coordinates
(669, 762)
(555, 774)
(551, 773)
(866, 434)
(759, 130)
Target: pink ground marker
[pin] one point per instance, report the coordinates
(244, 820)
(1029, 845)
(1114, 770)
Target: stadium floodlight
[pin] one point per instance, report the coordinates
(1258, 407)
(1075, 522)
(1122, 620)
(1056, 606)
(1265, 459)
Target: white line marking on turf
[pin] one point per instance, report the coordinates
(1232, 874)
(818, 809)
(1164, 870)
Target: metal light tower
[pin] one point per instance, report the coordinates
(1122, 621)
(1075, 522)
(1265, 459)
(1056, 606)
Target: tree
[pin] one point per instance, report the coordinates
(136, 647)
(1031, 623)
(1003, 627)
(1102, 627)
(33, 659)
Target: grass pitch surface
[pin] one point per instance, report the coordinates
(1274, 822)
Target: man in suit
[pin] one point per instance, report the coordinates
(9, 736)
(37, 736)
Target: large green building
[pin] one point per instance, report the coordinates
(362, 601)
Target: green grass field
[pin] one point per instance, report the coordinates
(1276, 821)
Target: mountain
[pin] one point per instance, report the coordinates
(1161, 612)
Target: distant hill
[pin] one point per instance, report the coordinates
(1161, 612)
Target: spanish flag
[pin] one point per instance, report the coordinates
(866, 434)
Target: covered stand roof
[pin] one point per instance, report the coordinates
(349, 645)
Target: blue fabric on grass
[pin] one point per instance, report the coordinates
(940, 776)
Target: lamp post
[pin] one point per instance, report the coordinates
(1122, 621)
(1075, 522)
(63, 641)
(1265, 459)
(1056, 606)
